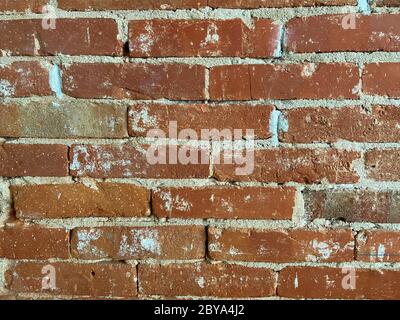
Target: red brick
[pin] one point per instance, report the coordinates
(285, 82)
(129, 4)
(77, 200)
(287, 165)
(134, 81)
(123, 243)
(33, 242)
(382, 3)
(24, 79)
(322, 282)
(217, 280)
(254, 4)
(353, 205)
(382, 79)
(378, 246)
(280, 246)
(71, 37)
(198, 117)
(383, 164)
(204, 38)
(63, 120)
(126, 161)
(326, 33)
(45, 160)
(22, 5)
(91, 280)
(354, 123)
(224, 203)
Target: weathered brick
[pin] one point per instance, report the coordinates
(219, 280)
(63, 120)
(24, 79)
(33, 242)
(125, 161)
(254, 4)
(382, 79)
(129, 4)
(47, 160)
(280, 246)
(71, 36)
(354, 123)
(205, 38)
(22, 5)
(383, 164)
(91, 280)
(330, 33)
(77, 200)
(287, 164)
(290, 81)
(134, 81)
(225, 203)
(119, 243)
(353, 205)
(334, 283)
(378, 246)
(382, 3)
(199, 117)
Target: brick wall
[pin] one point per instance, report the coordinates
(84, 213)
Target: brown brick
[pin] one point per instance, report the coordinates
(198, 117)
(382, 3)
(378, 32)
(63, 120)
(286, 164)
(280, 246)
(378, 246)
(71, 37)
(382, 79)
(205, 38)
(120, 243)
(353, 205)
(24, 79)
(326, 283)
(383, 164)
(91, 280)
(285, 82)
(33, 242)
(134, 81)
(217, 280)
(224, 203)
(254, 4)
(129, 4)
(22, 5)
(45, 160)
(125, 161)
(354, 123)
(77, 200)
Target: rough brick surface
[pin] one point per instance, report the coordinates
(298, 165)
(224, 203)
(353, 123)
(203, 280)
(164, 243)
(291, 81)
(77, 200)
(225, 118)
(91, 280)
(199, 148)
(34, 160)
(280, 245)
(205, 38)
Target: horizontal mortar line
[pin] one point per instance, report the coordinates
(280, 104)
(332, 57)
(190, 14)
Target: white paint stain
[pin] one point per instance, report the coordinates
(6, 88)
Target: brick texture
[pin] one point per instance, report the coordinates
(194, 149)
